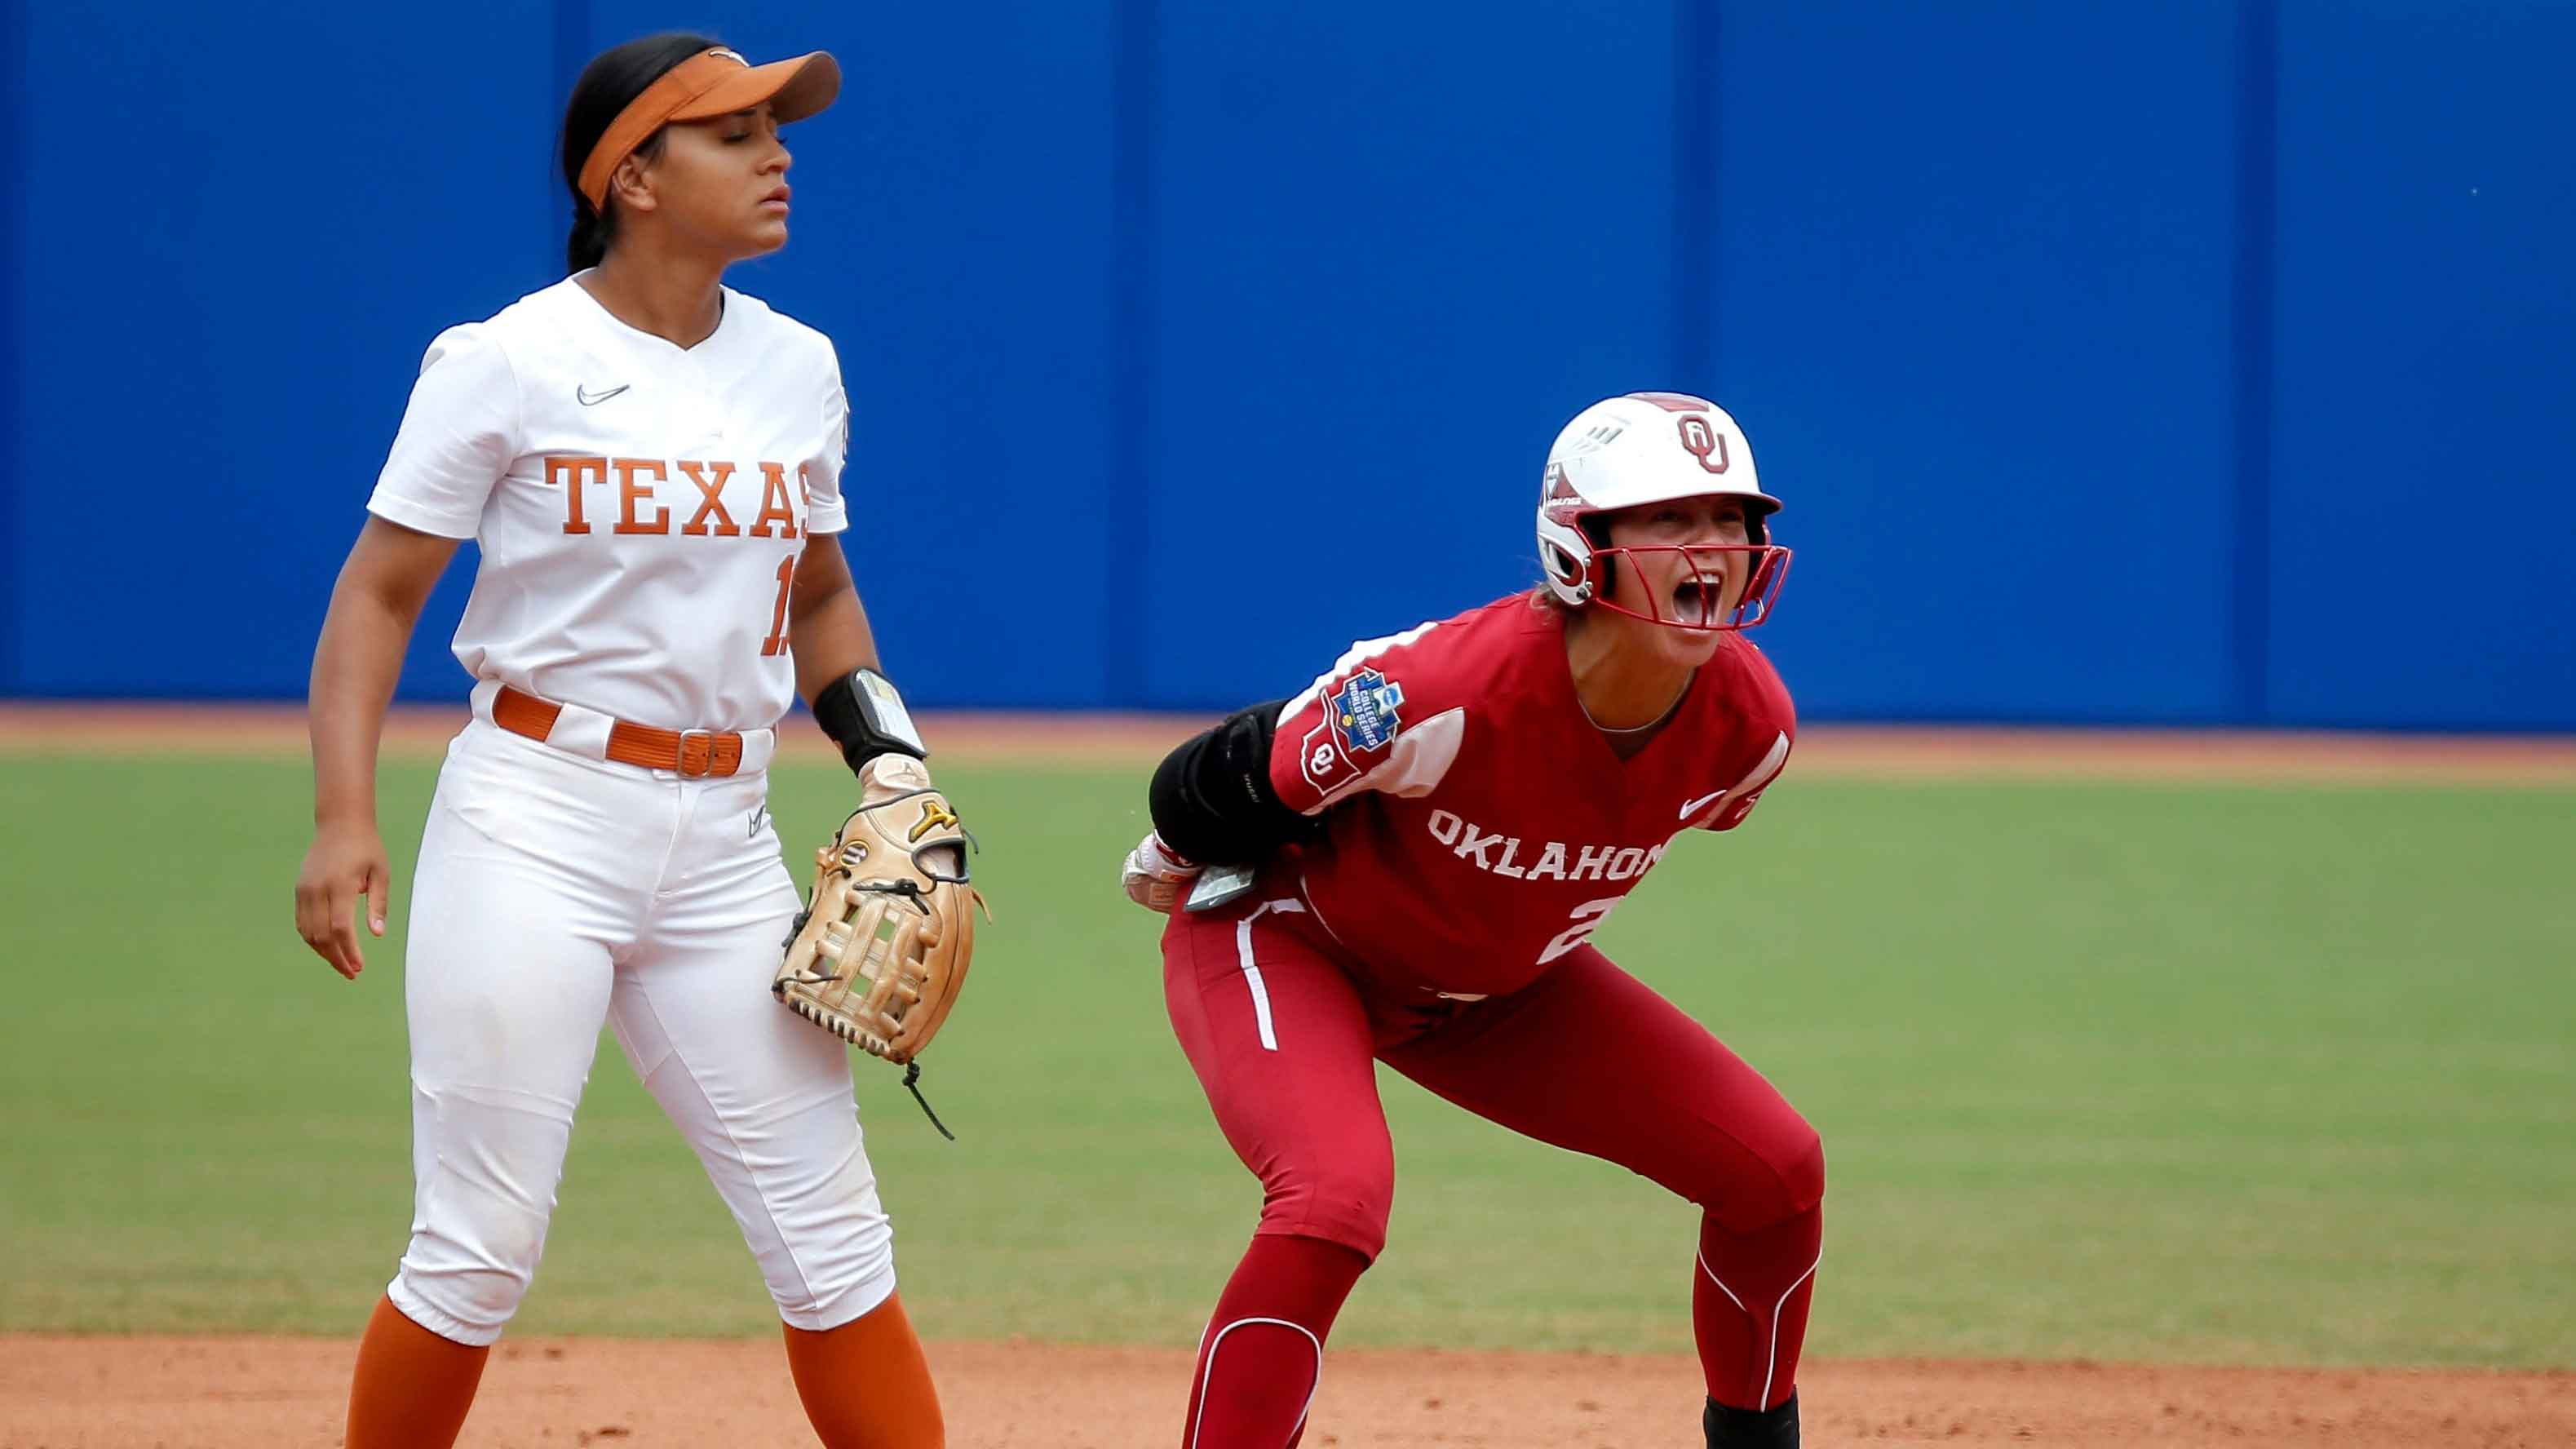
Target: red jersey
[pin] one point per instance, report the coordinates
(1477, 824)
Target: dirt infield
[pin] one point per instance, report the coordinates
(234, 1393)
(1833, 751)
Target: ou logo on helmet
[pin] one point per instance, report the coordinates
(1704, 443)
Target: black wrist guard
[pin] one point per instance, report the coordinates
(866, 718)
(1212, 800)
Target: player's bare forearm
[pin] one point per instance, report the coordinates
(827, 627)
(374, 606)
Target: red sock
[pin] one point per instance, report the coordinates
(1262, 1354)
(1749, 1294)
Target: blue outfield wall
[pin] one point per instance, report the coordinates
(2194, 363)
(2424, 425)
(1973, 305)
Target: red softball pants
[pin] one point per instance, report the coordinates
(1282, 1024)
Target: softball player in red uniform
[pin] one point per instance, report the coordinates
(1438, 824)
(651, 464)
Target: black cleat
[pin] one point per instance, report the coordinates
(1751, 1428)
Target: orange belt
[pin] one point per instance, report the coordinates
(689, 752)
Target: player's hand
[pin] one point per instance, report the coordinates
(1155, 878)
(344, 870)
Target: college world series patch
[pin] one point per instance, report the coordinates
(1363, 712)
(1359, 724)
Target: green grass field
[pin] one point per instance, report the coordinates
(2253, 1075)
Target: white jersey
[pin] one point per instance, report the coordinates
(640, 506)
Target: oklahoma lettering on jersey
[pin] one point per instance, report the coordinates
(640, 506)
(1477, 825)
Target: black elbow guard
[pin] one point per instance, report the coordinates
(866, 718)
(1212, 800)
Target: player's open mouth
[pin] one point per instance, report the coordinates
(1695, 601)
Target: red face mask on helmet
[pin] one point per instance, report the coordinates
(1654, 447)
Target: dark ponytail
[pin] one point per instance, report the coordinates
(608, 84)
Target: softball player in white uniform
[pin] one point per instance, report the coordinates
(651, 465)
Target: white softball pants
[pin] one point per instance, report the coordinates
(555, 892)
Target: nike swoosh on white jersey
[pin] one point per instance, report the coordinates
(587, 400)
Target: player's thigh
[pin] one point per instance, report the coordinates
(1280, 1041)
(696, 1019)
(1593, 1060)
(506, 980)
(507, 962)
(760, 1095)
(693, 1002)
(527, 886)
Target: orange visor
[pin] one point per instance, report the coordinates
(711, 83)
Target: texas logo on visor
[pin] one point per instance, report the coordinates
(1363, 712)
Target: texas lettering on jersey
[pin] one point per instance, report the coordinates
(635, 491)
(1477, 825)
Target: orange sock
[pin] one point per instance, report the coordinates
(866, 1384)
(412, 1387)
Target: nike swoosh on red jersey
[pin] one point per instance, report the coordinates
(1762, 775)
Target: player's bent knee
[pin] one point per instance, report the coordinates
(1803, 1177)
(464, 1274)
(467, 1305)
(1764, 1178)
(1792, 1177)
(1339, 1206)
(829, 1263)
(489, 1295)
(829, 1303)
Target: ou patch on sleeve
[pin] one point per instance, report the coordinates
(1358, 726)
(1380, 719)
